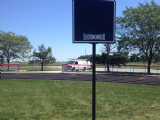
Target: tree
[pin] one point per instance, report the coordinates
(156, 58)
(14, 46)
(139, 29)
(1, 56)
(98, 59)
(119, 58)
(106, 50)
(45, 55)
(89, 57)
(134, 58)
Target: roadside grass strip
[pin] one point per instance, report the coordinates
(72, 100)
(38, 68)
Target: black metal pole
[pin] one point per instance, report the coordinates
(93, 82)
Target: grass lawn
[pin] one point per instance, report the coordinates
(38, 64)
(72, 100)
(38, 68)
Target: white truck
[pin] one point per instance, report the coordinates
(78, 64)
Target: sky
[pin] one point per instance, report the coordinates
(49, 22)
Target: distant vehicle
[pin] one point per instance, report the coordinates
(78, 64)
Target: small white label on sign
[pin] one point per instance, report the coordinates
(93, 36)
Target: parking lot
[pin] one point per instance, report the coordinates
(114, 78)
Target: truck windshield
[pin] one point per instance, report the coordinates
(70, 62)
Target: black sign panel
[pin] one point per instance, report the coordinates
(93, 21)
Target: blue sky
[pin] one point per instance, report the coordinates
(50, 22)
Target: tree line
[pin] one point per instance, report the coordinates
(119, 58)
(13, 46)
(138, 33)
(138, 36)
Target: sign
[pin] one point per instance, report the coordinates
(93, 21)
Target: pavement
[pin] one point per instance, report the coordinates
(153, 80)
(129, 70)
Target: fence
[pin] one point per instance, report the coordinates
(59, 66)
(25, 66)
(131, 68)
(113, 68)
(10, 67)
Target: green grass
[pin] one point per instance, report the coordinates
(38, 64)
(66, 100)
(38, 68)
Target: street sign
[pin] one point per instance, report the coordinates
(93, 21)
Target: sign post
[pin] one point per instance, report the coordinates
(93, 81)
(93, 21)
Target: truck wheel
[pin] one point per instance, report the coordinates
(73, 68)
(84, 68)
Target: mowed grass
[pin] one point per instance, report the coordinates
(72, 100)
(38, 68)
(38, 64)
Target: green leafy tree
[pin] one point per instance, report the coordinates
(156, 58)
(14, 46)
(106, 50)
(115, 59)
(119, 58)
(139, 29)
(89, 57)
(44, 55)
(98, 59)
(143, 58)
(134, 58)
(1, 56)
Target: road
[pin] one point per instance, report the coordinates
(113, 78)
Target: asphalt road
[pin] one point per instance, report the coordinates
(113, 78)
